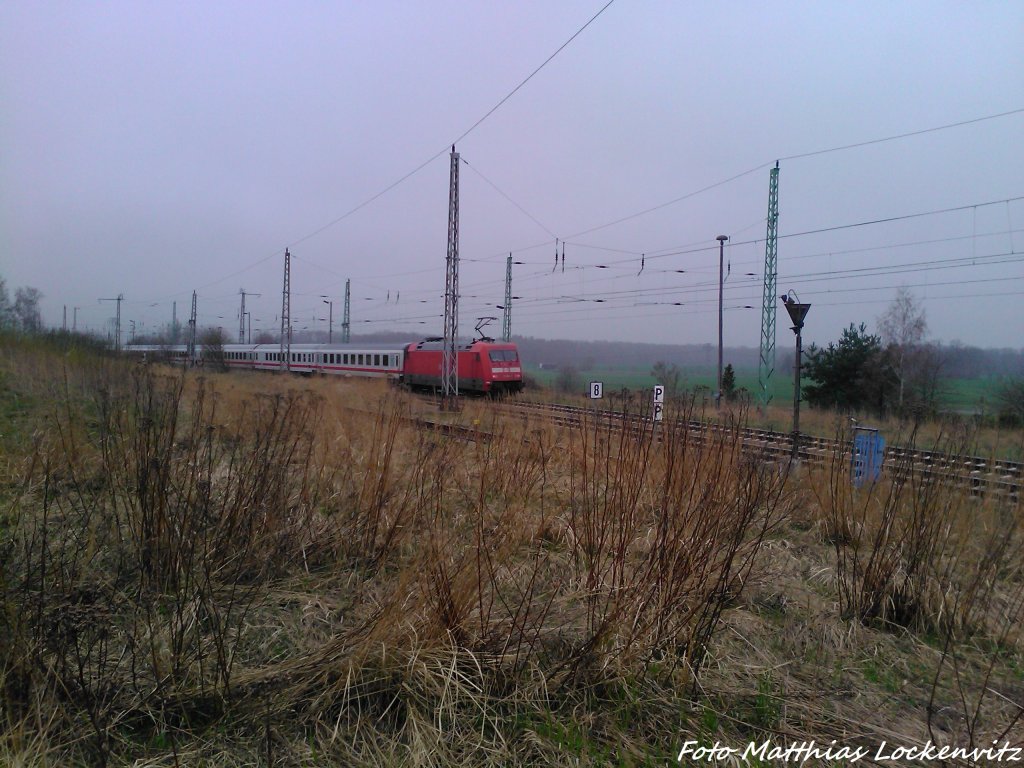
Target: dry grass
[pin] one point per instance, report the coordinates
(249, 569)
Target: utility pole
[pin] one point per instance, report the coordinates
(330, 319)
(131, 332)
(797, 313)
(74, 319)
(449, 355)
(286, 314)
(345, 325)
(191, 349)
(241, 316)
(766, 364)
(721, 281)
(117, 322)
(506, 320)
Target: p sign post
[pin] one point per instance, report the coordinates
(659, 402)
(596, 390)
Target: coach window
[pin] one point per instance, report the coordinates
(376, 361)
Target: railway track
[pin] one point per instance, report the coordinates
(979, 475)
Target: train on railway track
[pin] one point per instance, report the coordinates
(485, 366)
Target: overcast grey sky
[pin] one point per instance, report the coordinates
(155, 148)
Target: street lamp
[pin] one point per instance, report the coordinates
(721, 280)
(330, 319)
(797, 313)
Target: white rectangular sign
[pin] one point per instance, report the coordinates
(596, 390)
(659, 393)
(659, 411)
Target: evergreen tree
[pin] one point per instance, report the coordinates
(853, 374)
(729, 383)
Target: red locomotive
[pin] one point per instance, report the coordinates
(484, 366)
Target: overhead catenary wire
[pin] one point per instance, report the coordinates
(626, 264)
(458, 139)
(653, 254)
(798, 156)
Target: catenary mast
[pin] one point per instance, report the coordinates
(766, 365)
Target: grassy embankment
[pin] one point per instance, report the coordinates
(248, 569)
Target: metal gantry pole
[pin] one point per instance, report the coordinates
(766, 364)
(241, 318)
(449, 354)
(345, 318)
(286, 314)
(117, 321)
(506, 319)
(191, 350)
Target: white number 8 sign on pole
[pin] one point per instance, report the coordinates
(596, 390)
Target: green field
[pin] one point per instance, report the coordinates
(958, 395)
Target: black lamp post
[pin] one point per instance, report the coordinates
(797, 313)
(330, 320)
(721, 280)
